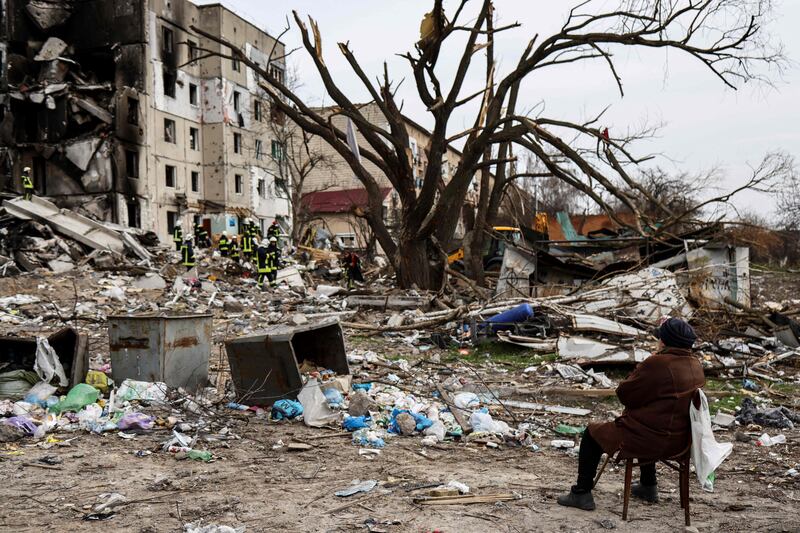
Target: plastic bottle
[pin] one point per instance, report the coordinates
(766, 440)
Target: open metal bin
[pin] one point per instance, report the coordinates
(266, 367)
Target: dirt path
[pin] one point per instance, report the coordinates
(264, 489)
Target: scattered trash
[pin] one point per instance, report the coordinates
(766, 441)
(356, 488)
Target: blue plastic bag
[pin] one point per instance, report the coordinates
(353, 423)
(286, 409)
(334, 397)
(423, 422)
(362, 386)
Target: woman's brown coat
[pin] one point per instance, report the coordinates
(656, 396)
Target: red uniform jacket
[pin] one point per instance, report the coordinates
(656, 396)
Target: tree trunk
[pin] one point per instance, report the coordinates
(420, 263)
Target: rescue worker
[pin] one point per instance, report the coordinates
(224, 245)
(352, 265)
(187, 253)
(274, 257)
(177, 236)
(235, 249)
(274, 230)
(247, 244)
(27, 183)
(201, 236)
(262, 264)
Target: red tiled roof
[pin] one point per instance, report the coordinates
(339, 201)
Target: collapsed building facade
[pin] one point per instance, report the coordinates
(125, 114)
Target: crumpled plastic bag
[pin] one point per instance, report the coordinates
(423, 422)
(77, 398)
(21, 422)
(142, 390)
(136, 421)
(47, 364)
(316, 412)
(352, 423)
(286, 409)
(484, 423)
(39, 394)
(707, 453)
(368, 438)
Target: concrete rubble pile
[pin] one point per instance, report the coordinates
(36, 234)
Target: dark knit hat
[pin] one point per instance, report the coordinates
(676, 333)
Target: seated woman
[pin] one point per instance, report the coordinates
(655, 423)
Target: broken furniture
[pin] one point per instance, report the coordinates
(266, 367)
(173, 349)
(19, 353)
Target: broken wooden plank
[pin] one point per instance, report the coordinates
(466, 499)
(575, 411)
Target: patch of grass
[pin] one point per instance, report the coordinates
(726, 403)
(789, 389)
(500, 352)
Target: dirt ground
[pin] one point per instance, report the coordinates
(255, 483)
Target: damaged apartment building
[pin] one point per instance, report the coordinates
(126, 115)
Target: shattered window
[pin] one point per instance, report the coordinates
(237, 143)
(194, 52)
(238, 183)
(259, 149)
(277, 151)
(276, 73)
(262, 189)
(170, 80)
(193, 100)
(195, 181)
(237, 101)
(167, 40)
(133, 110)
(132, 163)
(257, 110)
(134, 215)
(172, 221)
(170, 176)
(194, 139)
(281, 190)
(237, 67)
(169, 131)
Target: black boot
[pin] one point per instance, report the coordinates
(583, 500)
(648, 493)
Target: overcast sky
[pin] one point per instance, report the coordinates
(706, 124)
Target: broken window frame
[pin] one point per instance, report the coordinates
(132, 164)
(277, 73)
(257, 110)
(278, 150)
(171, 175)
(167, 41)
(170, 131)
(237, 101)
(259, 149)
(172, 221)
(236, 65)
(262, 188)
(195, 181)
(194, 51)
(238, 184)
(133, 110)
(169, 79)
(137, 212)
(194, 94)
(237, 143)
(194, 139)
(281, 188)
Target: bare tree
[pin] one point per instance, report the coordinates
(724, 35)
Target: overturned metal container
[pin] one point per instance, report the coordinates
(173, 349)
(266, 367)
(19, 353)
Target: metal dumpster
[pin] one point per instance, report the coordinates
(173, 349)
(19, 353)
(265, 367)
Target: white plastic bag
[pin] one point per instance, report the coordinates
(707, 453)
(47, 364)
(316, 412)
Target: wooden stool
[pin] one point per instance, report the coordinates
(679, 463)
